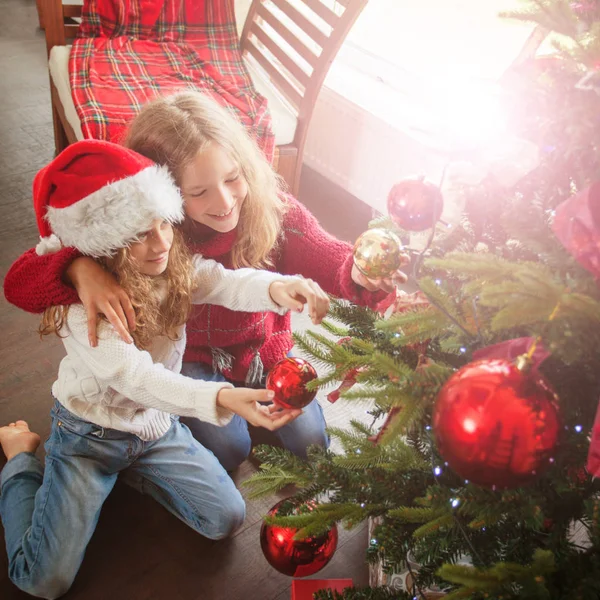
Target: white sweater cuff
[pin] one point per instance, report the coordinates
(210, 412)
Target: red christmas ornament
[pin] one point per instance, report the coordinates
(297, 558)
(415, 204)
(495, 425)
(288, 379)
(511, 349)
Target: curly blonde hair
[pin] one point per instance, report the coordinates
(172, 131)
(162, 304)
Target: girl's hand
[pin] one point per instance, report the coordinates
(386, 284)
(245, 402)
(100, 293)
(294, 294)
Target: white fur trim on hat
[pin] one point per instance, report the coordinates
(48, 245)
(114, 215)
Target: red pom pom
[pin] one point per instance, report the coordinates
(496, 425)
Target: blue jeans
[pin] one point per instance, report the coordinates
(50, 515)
(231, 444)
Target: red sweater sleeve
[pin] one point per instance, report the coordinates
(33, 283)
(310, 251)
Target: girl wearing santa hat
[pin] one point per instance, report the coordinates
(238, 214)
(115, 403)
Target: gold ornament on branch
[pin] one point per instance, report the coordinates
(378, 253)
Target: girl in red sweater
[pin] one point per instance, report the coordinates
(237, 214)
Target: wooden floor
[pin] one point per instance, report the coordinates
(139, 551)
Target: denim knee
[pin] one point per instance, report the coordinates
(300, 447)
(307, 430)
(48, 586)
(236, 452)
(230, 517)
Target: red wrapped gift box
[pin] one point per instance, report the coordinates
(303, 589)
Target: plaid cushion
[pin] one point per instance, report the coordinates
(123, 57)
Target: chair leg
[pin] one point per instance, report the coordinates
(60, 136)
(296, 176)
(288, 167)
(39, 5)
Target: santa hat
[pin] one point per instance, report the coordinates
(98, 196)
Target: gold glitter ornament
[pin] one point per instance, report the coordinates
(378, 253)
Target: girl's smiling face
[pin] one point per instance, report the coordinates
(214, 189)
(151, 250)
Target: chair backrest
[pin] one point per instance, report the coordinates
(295, 42)
(59, 22)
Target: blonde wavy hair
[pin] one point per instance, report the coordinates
(172, 130)
(162, 304)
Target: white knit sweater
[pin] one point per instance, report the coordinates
(118, 386)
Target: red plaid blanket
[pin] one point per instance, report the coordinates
(129, 51)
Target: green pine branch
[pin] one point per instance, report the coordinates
(357, 593)
(415, 326)
(382, 364)
(554, 15)
(441, 523)
(270, 480)
(416, 514)
(502, 576)
(396, 456)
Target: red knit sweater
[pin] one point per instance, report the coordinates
(234, 342)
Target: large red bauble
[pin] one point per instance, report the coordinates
(288, 379)
(297, 558)
(415, 204)
(496, 425)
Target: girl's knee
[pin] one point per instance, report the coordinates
(232, 456)
(315, 438)
(229, 518)
(308, 430)
(45, 586)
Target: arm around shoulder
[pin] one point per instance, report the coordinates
(34, 283)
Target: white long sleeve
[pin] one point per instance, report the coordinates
(116, 385)
(116, 379)
(244, 290)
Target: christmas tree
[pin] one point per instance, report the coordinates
(479, 466)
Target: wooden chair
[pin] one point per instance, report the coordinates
(312, 32)
(60, 29)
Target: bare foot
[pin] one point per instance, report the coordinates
(16, 438)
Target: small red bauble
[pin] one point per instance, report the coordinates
(495, 425)
(297, 558)
(288, 379)
(415, 204)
